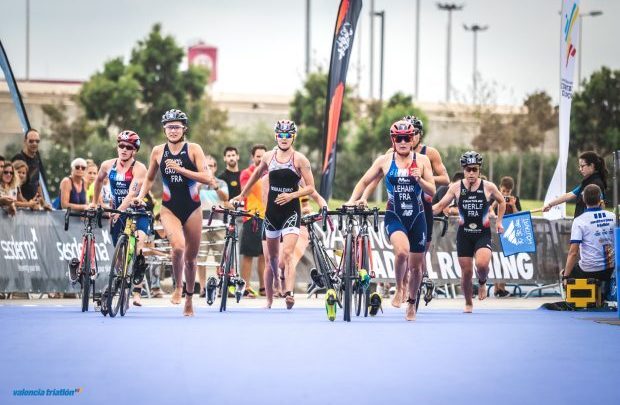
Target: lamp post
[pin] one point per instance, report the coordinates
(372, 49)
(475, 28)
(27, 39)
(381, 14)
(417, 49)
(307, 37)
(594, 13)
(449, 7)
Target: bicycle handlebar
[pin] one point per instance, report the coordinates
(347, 210)
(92, 213)
(236, 212)
(129, 212)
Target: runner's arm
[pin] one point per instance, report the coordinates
(139, 173)
(252, 180)
(373, 173)
(150, 176)
(446, 200)
(103, 172)
(426, 180)
(501, 205)
(440, 173)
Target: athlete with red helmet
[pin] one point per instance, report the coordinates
(407, 175)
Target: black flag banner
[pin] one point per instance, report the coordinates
(348, 13)
(17, 98)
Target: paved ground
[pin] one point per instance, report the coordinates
(507, 351)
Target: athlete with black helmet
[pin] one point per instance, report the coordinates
(183, 166)
(473, 239)
(126, 176)
(407, 175)
(286, 168)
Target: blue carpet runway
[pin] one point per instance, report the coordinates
(254, 356)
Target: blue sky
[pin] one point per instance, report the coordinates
(261, 43)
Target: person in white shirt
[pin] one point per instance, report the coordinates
(591, 252)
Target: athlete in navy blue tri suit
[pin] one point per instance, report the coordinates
(473, 239)
(126, 175)
(182, 165)
(407, 175)
(286, 169)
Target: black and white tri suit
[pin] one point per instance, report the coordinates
(284, 219)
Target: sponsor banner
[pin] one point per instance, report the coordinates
(539, 267)
(569, 46)
(344, 33)
(518, 236)
(35, 251)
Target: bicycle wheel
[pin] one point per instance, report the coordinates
(85, 274)
(358, 292)
(126, 285)
(116, 277)
(225, 277)
(125, 295)
(348, 277)
(365, 264)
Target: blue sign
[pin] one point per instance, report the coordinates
(518, 236)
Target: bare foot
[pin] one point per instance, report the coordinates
(468, 309)
(290, 301)
(482, 292)
(176, 296)
(188, 310)
(397, 300)
(405, 295)
(410, 314)
(136, 299)
(269, 303)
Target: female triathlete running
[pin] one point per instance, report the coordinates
(407, 175)
(183, 165)
(286, 167)
(473, 238)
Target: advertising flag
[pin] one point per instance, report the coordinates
(348, 13)
(569, 46)
(518, 236)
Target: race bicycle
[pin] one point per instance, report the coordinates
(83, 270)
(356, 259)
(427, 287)
(228, 270)
(127, 266)
(325, 275)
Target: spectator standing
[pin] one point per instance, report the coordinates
(30, 154)
(73, 187)
(251, 245)
(89, 180)
(513, 205)
(231, 175)
(594, 171)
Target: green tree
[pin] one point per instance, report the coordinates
(595, 114)
(494, 137)
(542, 116)
(135, 95)
(308, 112)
